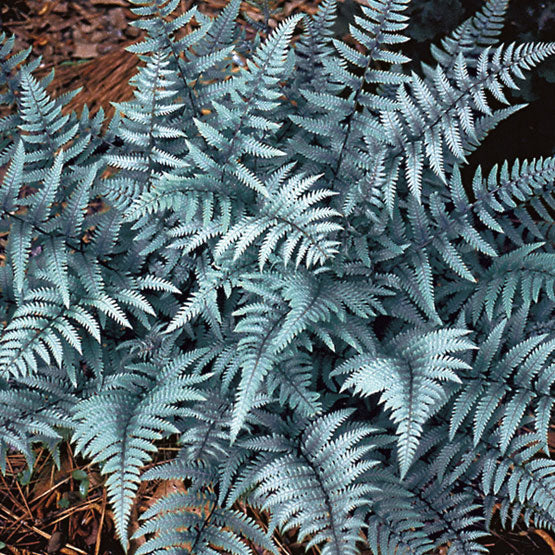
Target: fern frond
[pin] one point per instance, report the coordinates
(134, 417)
(328, 464)
(409, 380)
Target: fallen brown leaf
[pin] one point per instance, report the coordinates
(55, 542)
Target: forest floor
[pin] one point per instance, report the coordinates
(64, 510)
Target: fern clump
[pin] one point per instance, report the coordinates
(290, 274)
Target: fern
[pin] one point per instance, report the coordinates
(136, 412)
(294, 276)
(328, 472)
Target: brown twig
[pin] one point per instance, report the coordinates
(68, 549)
(100, 525)
(12, 497)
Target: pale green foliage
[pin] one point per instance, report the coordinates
(290, 275)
